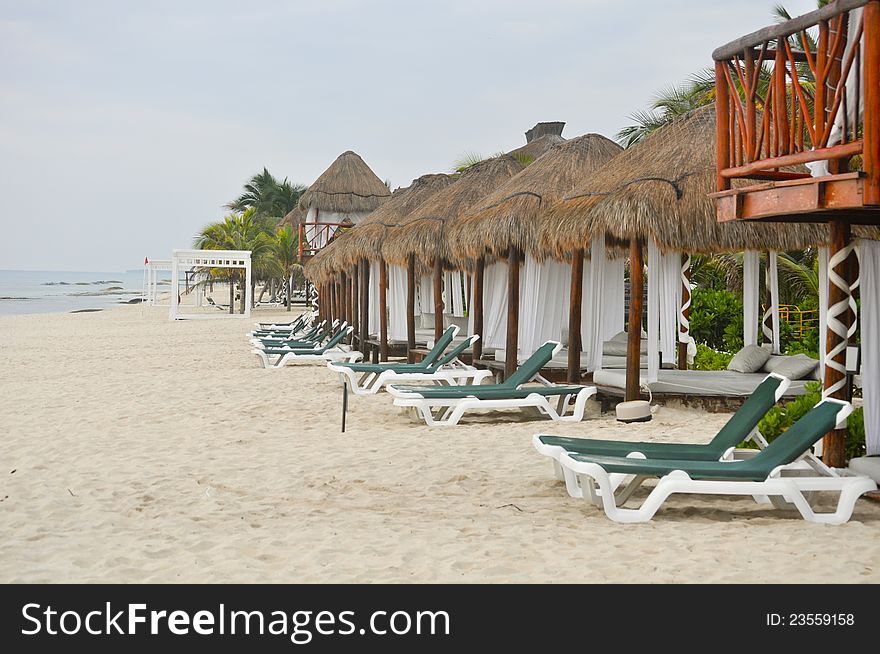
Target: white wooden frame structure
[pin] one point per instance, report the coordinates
(186, 259)
(151, 281)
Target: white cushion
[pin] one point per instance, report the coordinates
(427, 321)
(749, 359)
(615, 348)
(799, 366)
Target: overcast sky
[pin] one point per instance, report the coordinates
(125, 126)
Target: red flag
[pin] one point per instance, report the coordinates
(146, 261)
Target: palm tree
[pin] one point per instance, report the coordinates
(268, 197)
(285, 248)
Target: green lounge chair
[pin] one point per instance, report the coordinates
(369, 378)
(773, 472)
(309, 340)
(742, 426)
(450, 402)
(330, 351)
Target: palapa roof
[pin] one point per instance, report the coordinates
(292, 219)
(422, 231)
(347, 186)
(510, 215)
(536, 148)
(660, 188)
(365, 239)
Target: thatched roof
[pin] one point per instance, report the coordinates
(660, 188)
(536, 148)
(365, 239)
(510, 215)
(347, 186)
(326, 261)
(292, 219)
(422, 231)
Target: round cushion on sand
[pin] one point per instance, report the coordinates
(635, 411)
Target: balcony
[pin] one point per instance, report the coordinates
(798, 119)
(316, 235)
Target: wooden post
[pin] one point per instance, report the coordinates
(871, 154)
(722, 126)
(686, 312)
(355, 311)
(383, 310)
(636, 307)
(344, 296)
(438, 298)
(574, 316)
(833, 446)
(512, 341)
(410, 306)
(365, 304)
(479, 272)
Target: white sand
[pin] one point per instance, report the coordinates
(145, 450)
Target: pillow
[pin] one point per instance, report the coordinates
(427, 321)
(619, 337)
(795, 367)
(749, 359)
(616, 348)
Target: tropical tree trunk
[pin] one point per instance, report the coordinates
(253, 291)
(241, 301)
(231, 294)
(289, 291)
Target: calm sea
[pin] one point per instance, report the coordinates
(37, 291)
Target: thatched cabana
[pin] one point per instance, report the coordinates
(344, 193)
(420, 238)
(508, 218)
(292, 220)
(657, 192)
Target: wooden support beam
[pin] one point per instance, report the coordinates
(355, 304)
(798, 158)
(479, 272)
(833, 445)
(634, 329)
(438, 298)
(365, 304)
(871, 158)
(574, 316)
(410, 306)
(686, 312)
(722, 126)
(383, 310)
(512, 341)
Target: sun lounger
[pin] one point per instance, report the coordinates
(769, 473)
(305, 332)
(306, 341)
(369, 378)
(742, 426)
(332, 350)
(451, 402)
(292, 326)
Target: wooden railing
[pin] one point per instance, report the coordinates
(313, 236)
(793, 94)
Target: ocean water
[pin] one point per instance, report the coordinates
(38, 291)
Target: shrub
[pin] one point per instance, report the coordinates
(716, 315)
(709, 359)
(780, 418)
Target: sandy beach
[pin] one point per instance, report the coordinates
(135, 449)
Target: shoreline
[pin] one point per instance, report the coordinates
(137, 449)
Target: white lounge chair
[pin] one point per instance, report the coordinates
(332, 350)
(452, 402)
(437, 367)
(773, 472)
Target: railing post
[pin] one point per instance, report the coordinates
(722, 126)
(871, 153)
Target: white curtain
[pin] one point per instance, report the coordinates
(425, 290)
(613, 294)
(823, 308)
(397, 303)
(591, 305)
(318, 235)
(495, 306)
(664, 298)
(771, 332)
(374, 311)
(870, 331)
(544, 296)
(453, 293)
(751, 276)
